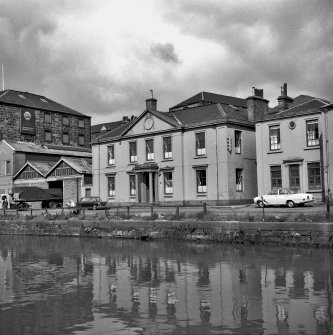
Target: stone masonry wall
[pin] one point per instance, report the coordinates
(284, 234)
(10, 127)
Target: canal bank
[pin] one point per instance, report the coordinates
(271, 233)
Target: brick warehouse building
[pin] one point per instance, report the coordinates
(36, 129)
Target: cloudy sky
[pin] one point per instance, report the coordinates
(102, 57)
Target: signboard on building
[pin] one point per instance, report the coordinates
(28, 121)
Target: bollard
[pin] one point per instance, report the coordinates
(4, 212)
(128, 211)
(17, 213)
(205, 208)
(177, 211)
(106, 212)
(30, 212)
(151, 210)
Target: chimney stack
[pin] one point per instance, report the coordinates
(257, 106)
(284, 101)
(151, 104)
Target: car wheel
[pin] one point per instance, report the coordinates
(290, 204)
(260, 204)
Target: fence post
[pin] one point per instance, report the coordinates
(177, 211)
(128, 210)
(30, 212)
(205, 208)
(4, 212)
(106, 212)
(263, 209)
(151, 210)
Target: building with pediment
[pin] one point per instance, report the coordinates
(201, 151)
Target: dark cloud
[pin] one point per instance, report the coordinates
(269, 42)
(165, 52)
(263, 44)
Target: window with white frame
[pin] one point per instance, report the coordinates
(167, 147)
(150, 150)
(274, 138)
(132, 184)
(276, 176)
(111, 186)
(314, 176)
(201, 180)
(239, 180)
(132, 152)
(111, 155)
(168, 182)
(238, 142)
(312, 133)
(200, 140)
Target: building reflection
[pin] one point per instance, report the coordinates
(224, 288)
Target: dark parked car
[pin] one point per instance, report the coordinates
(92, 203)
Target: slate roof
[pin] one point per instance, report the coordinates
(209, 114)
(210, 98)
(309, 107)
(97, 128)
(301, 99)
(26, 99)
(81, 165)
(31, 147)
(41, 167)
(188, 118)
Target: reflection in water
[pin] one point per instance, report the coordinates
(74, 286)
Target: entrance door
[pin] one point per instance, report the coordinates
(147, 187)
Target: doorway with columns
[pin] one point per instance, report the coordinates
(147, 183)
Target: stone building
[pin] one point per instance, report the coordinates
(293, 145)
(34, 118)
(201, 150)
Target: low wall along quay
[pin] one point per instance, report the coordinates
(275, 233)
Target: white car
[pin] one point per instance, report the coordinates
(283, 196)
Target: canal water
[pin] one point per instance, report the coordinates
(95, 286)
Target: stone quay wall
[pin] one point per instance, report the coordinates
(270, 233)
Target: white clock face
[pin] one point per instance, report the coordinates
(149, 123)
(27, 115)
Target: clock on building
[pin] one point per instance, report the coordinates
(149, 122)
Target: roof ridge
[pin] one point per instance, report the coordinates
(306, 102)
(221, 110)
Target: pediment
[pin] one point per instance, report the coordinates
(150, 122)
